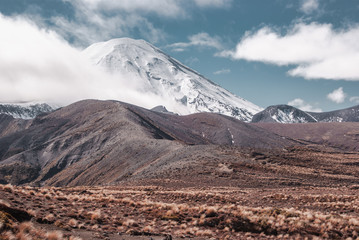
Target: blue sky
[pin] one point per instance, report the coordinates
(302, 52)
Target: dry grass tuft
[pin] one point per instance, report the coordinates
(8, 188)
(50, 217)
(73, 223)
(54, 235)
(95, 215)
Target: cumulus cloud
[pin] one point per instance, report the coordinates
(222, 71)
(200, 40)
(37, 65)
(337, 96)
(354, 99)
(309, 6)
(304, 106)
(316, 50)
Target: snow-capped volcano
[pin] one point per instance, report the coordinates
(157, 73)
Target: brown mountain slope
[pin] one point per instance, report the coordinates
(342, 136)
(100, 142)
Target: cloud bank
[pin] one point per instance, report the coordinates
(37, 65)
(354, 99)
(316, 51)
(304, 106)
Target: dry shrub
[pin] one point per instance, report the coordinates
(54, 235)
(25, 227)
(204, 233)
(74, 238)
(8, 188)
(73, 223)
(128, 201)
(95, 215)
(129, 222)
(8, 235)
(5, 203)
(50, 217)
(148, 229)
(211, 212)
(32, 212)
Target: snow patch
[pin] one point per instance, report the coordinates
(231, 135)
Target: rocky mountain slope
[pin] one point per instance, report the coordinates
(344, 115)
(25, 111)
(290, 114)
(343, 136)
(96, 142)
(158, 73)
(283, 114)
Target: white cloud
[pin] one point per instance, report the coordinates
(200, 40)
(337, 96)
(304, 106)
(309, 6)
(166, 8)
(96, 21)
(100, 20)
(355, 99)
(222, 71)
(213, 3)
(37, 65)
(317, 50)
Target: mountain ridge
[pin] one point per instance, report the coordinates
(289, 114)
(28, 111)
(95, 142)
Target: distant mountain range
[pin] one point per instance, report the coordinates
(25, 111)
(96, 142)
(289, 114)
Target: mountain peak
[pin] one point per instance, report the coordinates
(283, 114)
(184, 90)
